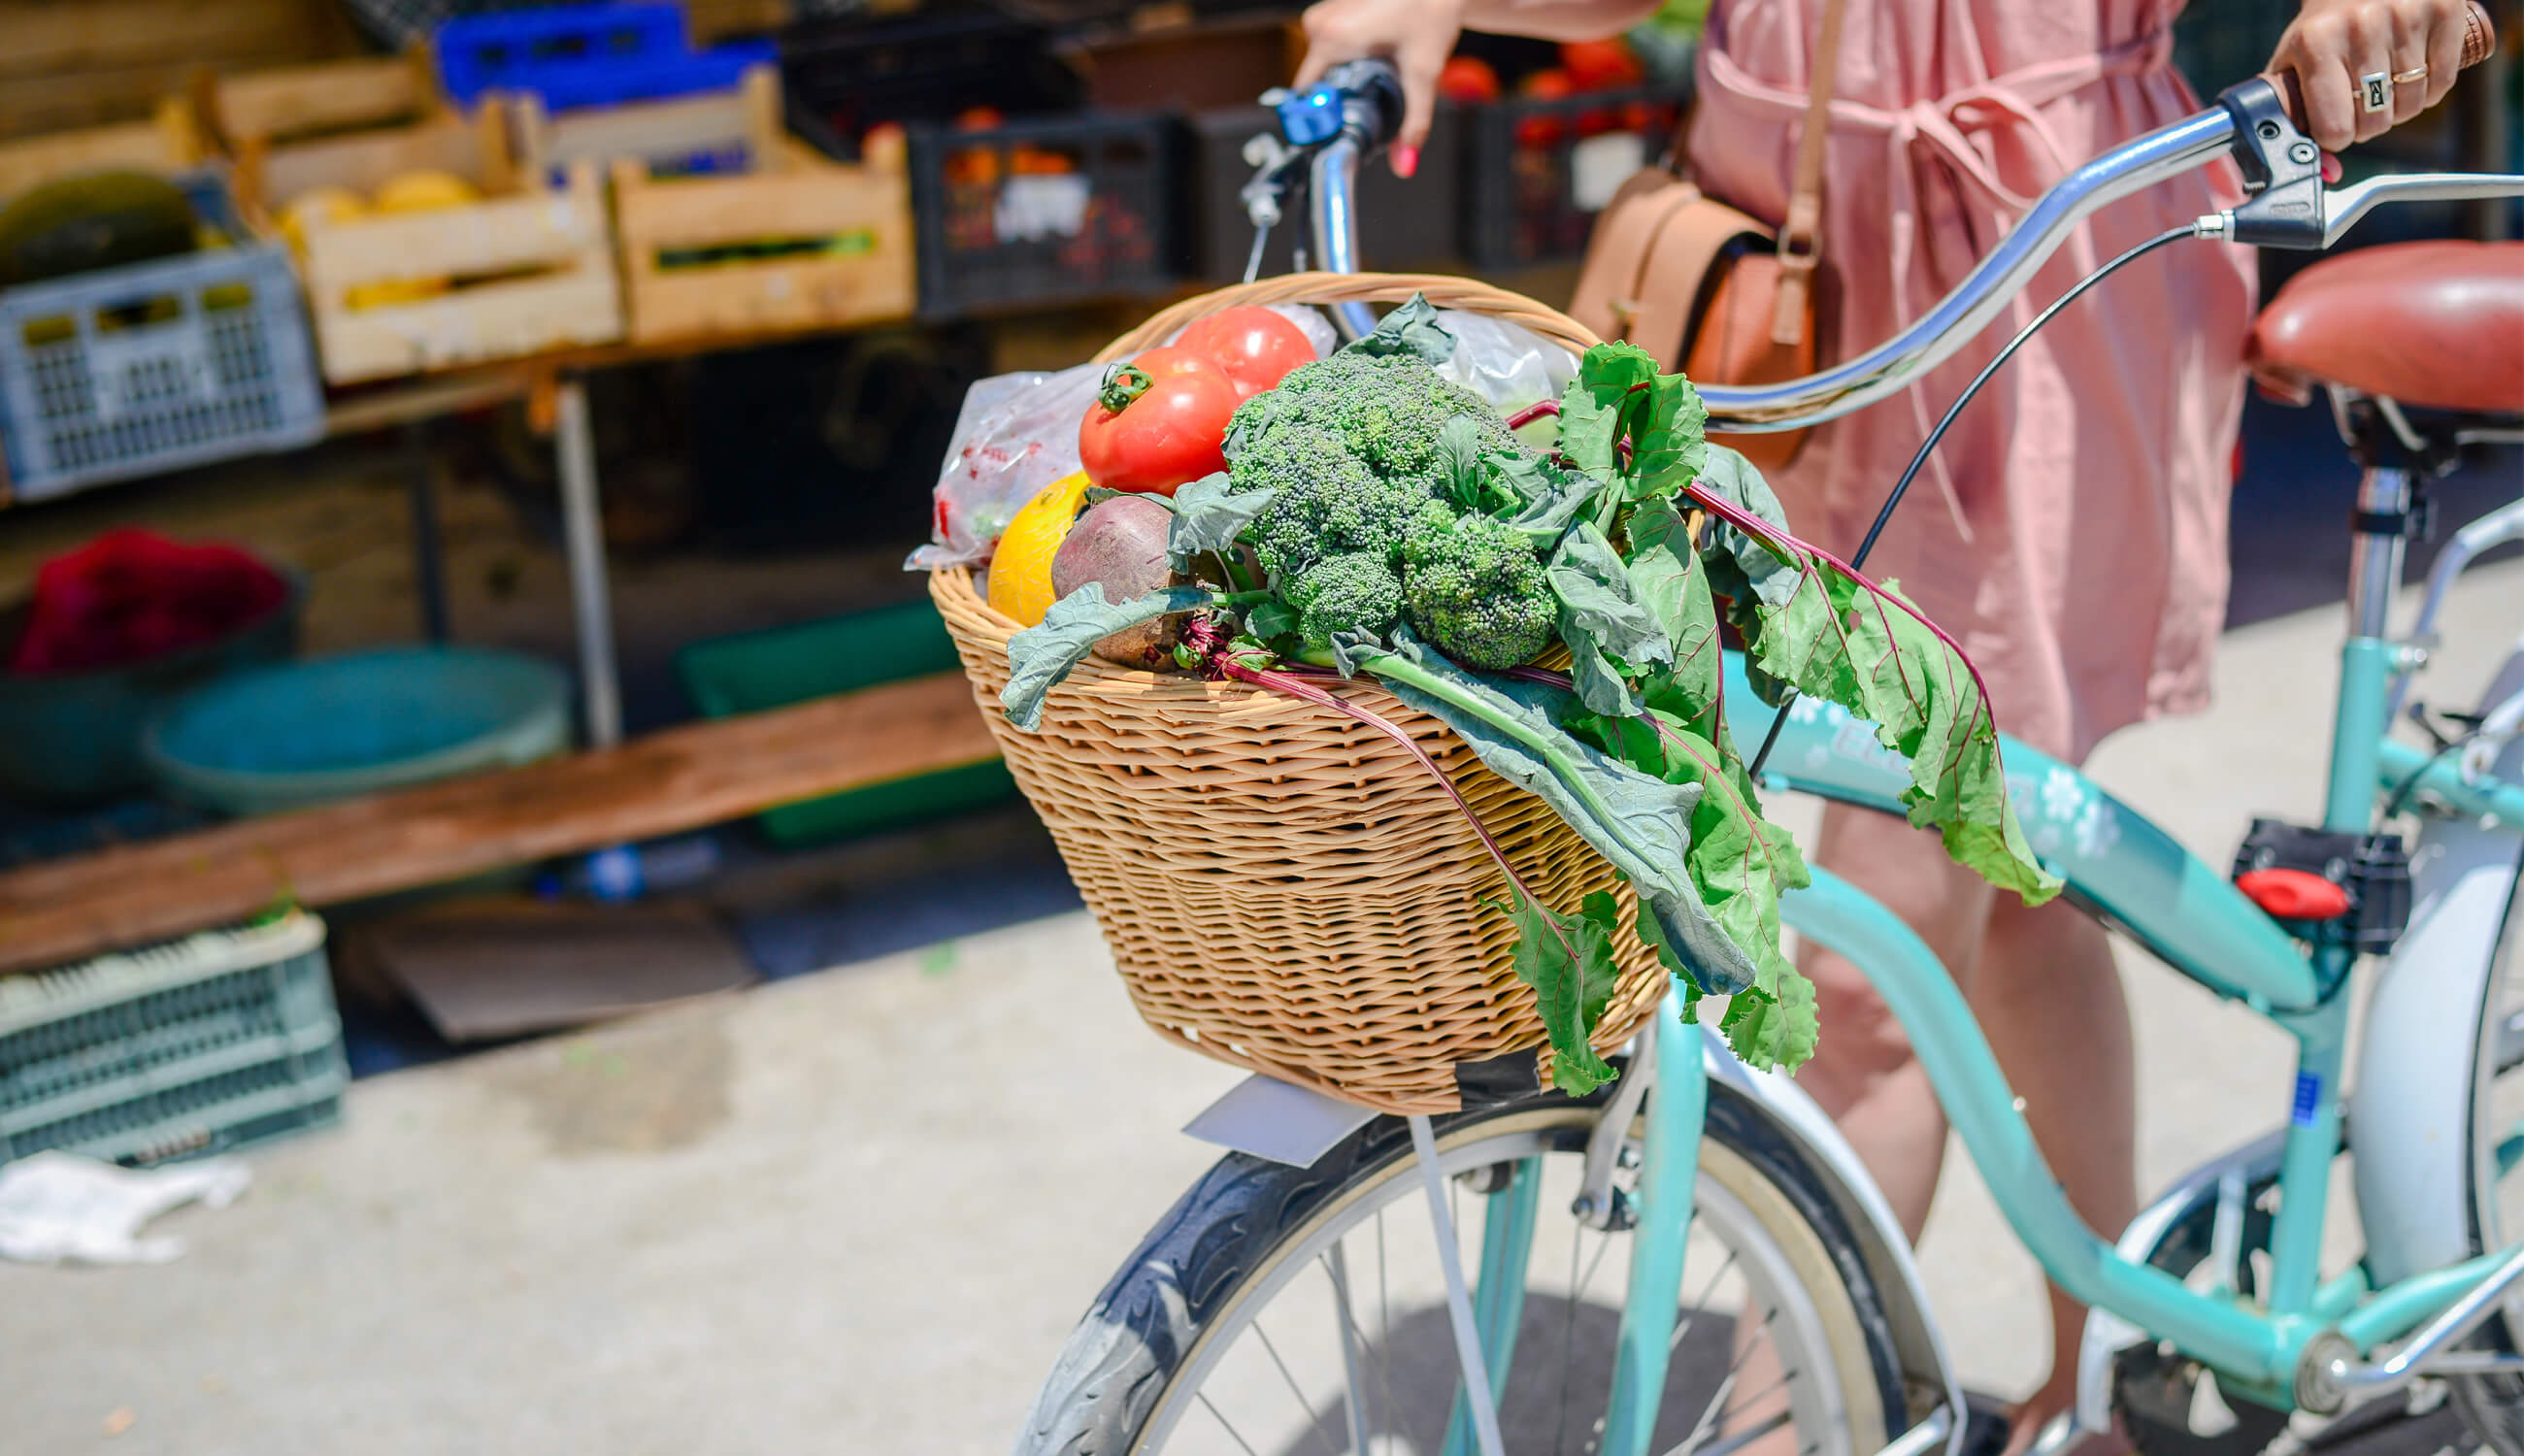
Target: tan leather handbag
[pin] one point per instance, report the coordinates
(1708, 288)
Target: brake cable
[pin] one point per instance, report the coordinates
(1857, 562)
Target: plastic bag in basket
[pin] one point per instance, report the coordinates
(1505, 363)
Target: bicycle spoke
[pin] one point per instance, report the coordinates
(1337, 1268)
(1224, 1423)
(1568, 1348)
(1295, 1388)
(1734, 1444)
(1682, 1327)
(1717, 1405)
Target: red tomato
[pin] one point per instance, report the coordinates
(1553, 85)
(1601, 65)
(1162, 422)
(1467, 80)
(1543, 129)
(1256, 347)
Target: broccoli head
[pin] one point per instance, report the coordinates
(1388, 408)
(1330, 501)
(1474, 588)
(1354, 592)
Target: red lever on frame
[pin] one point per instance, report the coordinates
(2293, 894)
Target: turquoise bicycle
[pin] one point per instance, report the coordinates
(1725, 1276)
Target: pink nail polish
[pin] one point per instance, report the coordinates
(1406, 161)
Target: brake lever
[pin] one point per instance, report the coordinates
(2282, 172)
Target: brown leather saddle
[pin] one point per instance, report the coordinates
(2428, 336)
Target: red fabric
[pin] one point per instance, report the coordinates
(132, 594)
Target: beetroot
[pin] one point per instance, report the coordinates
(1121, 541)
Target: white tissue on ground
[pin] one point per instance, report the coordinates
(56, 1206)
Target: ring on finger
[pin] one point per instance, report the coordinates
(2407, 77)
(2375, 91)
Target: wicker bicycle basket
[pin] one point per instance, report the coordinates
(1283, 888)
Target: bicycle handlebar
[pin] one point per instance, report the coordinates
(2257, 122)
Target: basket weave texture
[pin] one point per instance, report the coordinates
(1283, 888)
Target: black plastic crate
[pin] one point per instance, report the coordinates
(1403, 224)
(1537, 171)
(840, 78)
(1061, 210)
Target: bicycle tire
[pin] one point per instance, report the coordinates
(1188, 1274)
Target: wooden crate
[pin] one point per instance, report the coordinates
(529, 266)
(847, 227)
(166, 144)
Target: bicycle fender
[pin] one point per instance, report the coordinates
(2408, 1121)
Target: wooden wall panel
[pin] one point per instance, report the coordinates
(82, 63)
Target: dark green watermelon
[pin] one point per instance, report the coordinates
(98, 219)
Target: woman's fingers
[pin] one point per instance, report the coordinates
(2446, 20)
(2368, 53)
(2410, 52)
(2310, 51)
(1419, 59)
(2345, 54)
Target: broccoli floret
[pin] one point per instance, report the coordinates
(1388, 408)
(1354, 592)
(1475, 589)
(1329, 503)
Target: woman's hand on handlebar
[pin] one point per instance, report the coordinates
(1417, 35)
(2334, 44)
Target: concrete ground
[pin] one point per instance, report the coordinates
(857, 1211)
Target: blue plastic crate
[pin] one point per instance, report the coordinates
(199, 1046)
(587, 55)
(101, 380)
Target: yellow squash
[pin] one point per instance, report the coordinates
(1021, 567)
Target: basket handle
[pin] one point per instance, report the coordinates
(1444, 290)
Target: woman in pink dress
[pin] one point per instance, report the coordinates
(2071, 530)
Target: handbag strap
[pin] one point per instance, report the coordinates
(1801, 235)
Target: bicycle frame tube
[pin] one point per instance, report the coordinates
(2133, 873)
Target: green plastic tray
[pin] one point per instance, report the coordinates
(205, 1044)
(783, 665)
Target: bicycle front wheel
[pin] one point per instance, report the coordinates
(1302, 1312)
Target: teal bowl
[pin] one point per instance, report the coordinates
(330, 728)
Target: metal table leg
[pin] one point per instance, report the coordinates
(583, 537)
(428, 564)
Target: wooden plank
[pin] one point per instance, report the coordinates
(580, 304)
(165, 145)
(331, 95)
(681, 779)
(57, 40)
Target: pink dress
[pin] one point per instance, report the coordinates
(2071, 528)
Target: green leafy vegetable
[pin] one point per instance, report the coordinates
(1639, 823)
(1041, 655)
(1843, 638)
(1411, 329)
(1568, 960)
(1209, 516)
(1612, 634)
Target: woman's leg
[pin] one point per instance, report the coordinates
(1863, 1071)
(2049, 998)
